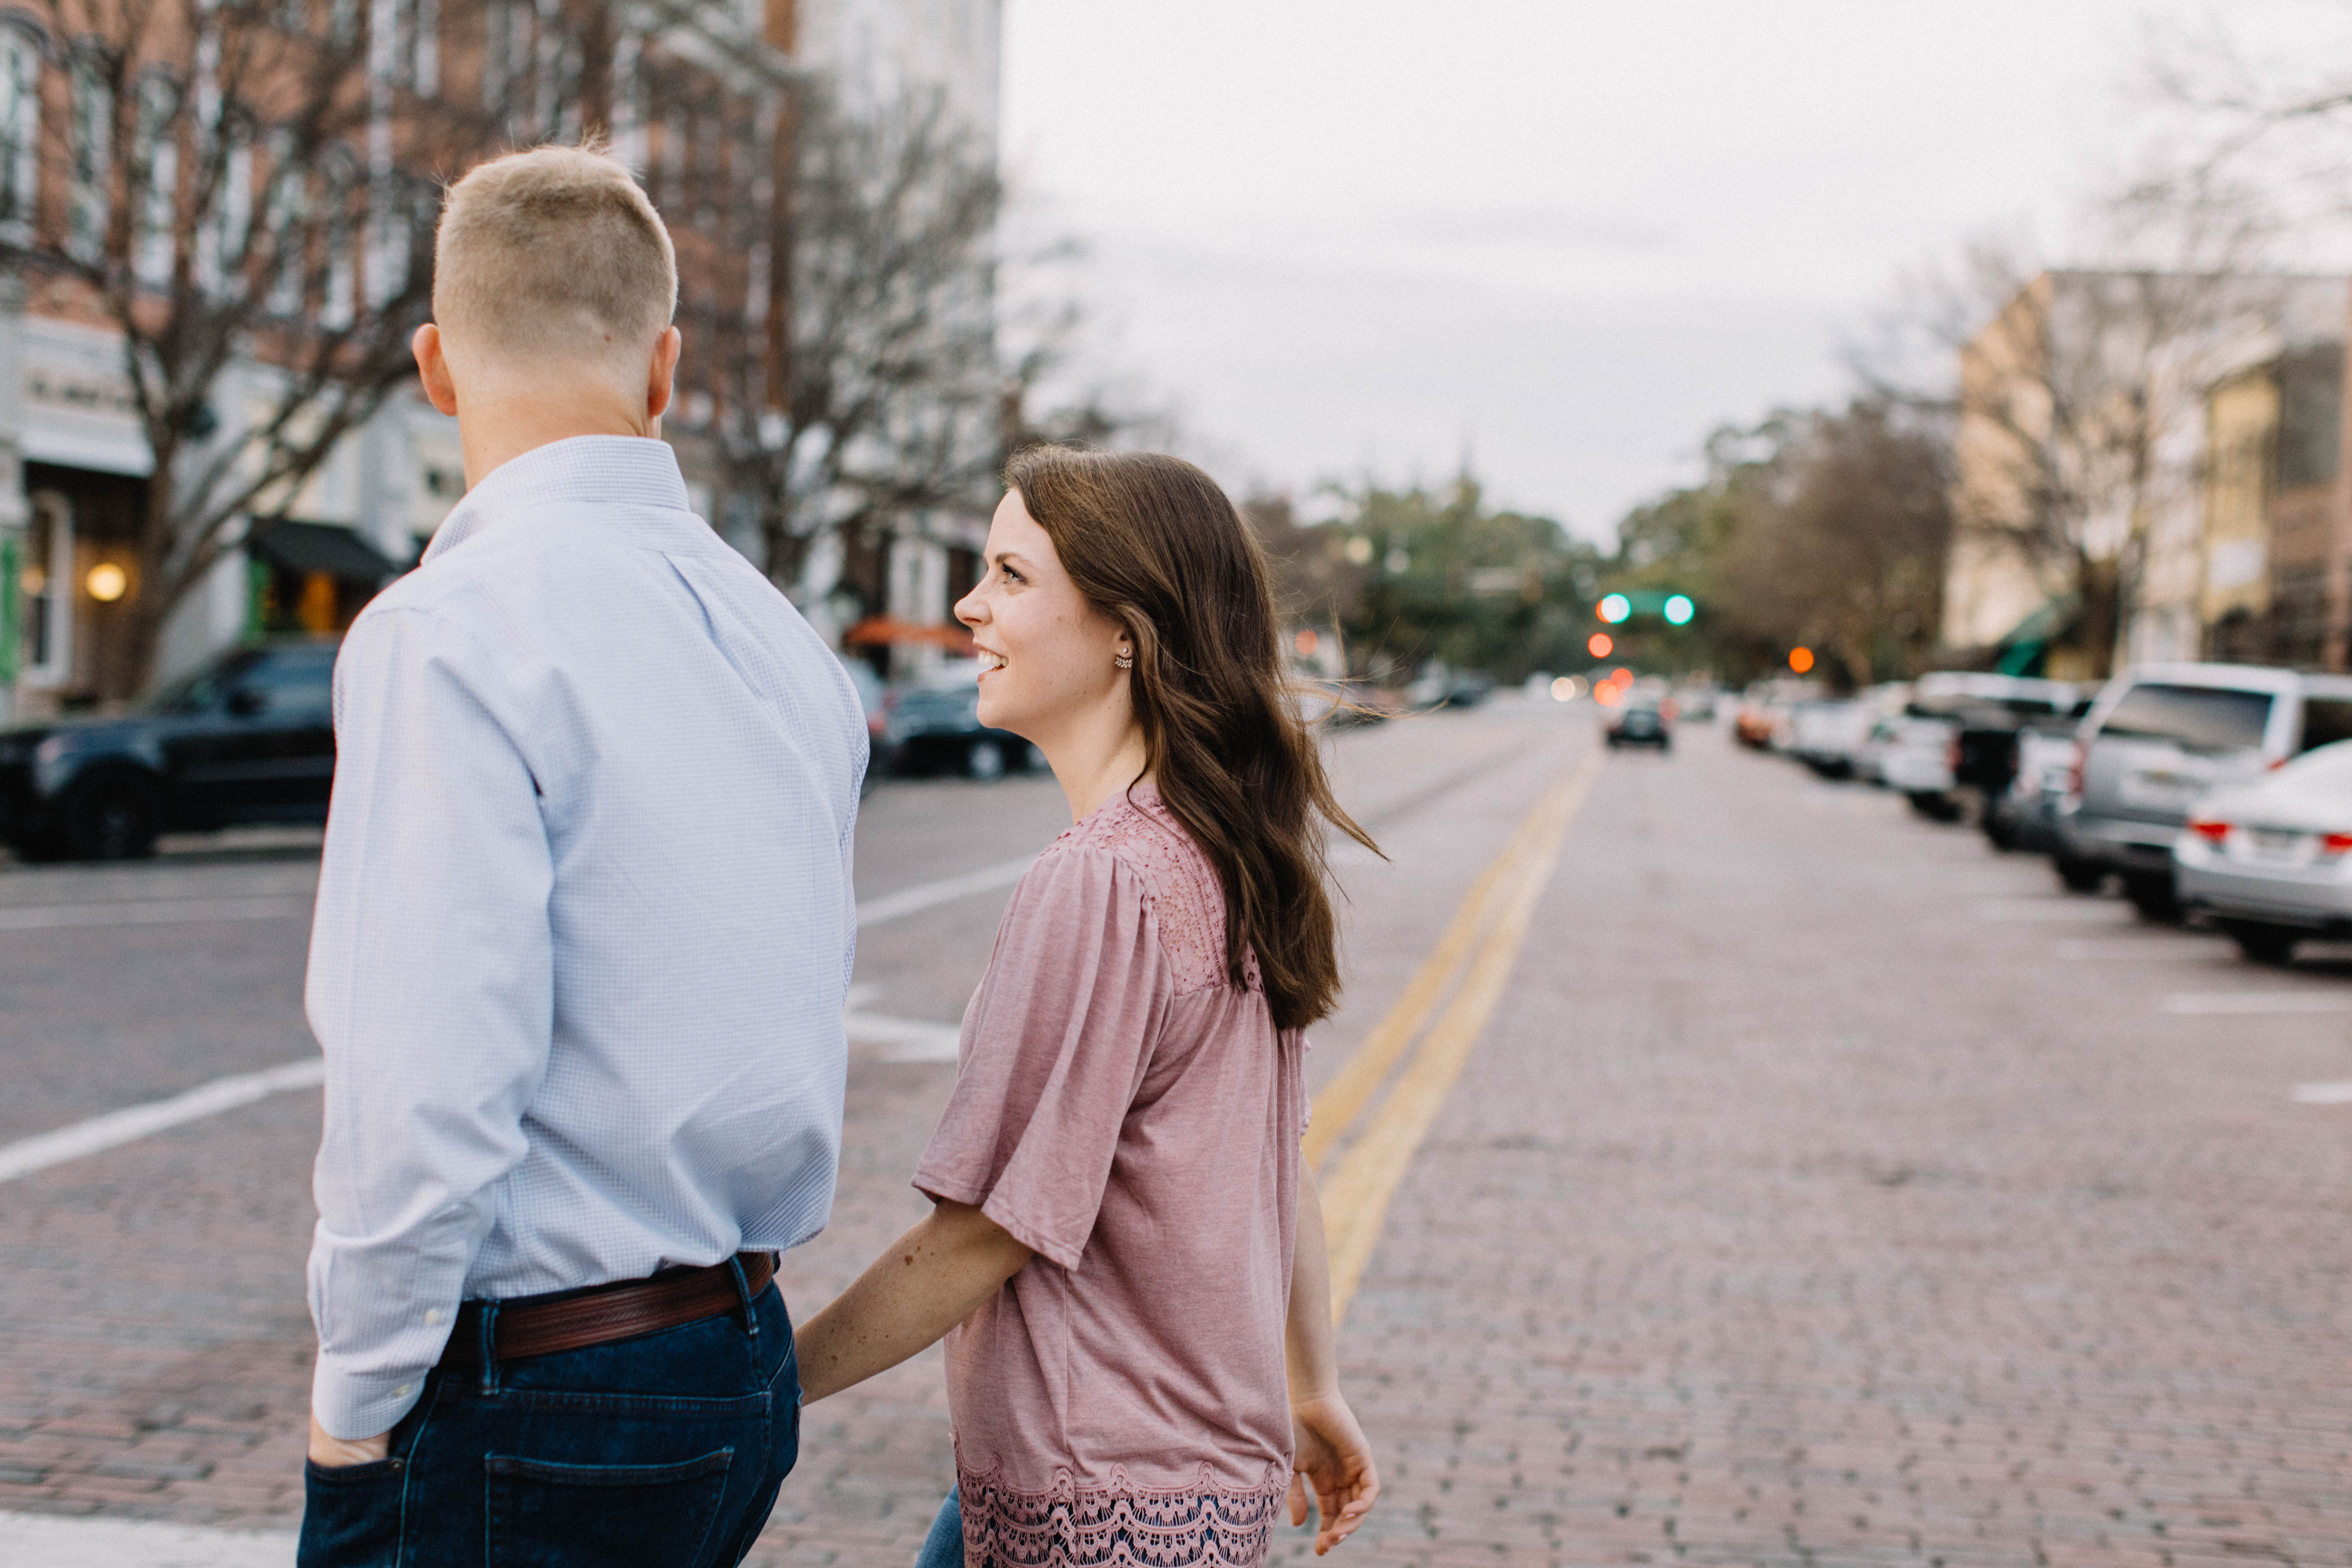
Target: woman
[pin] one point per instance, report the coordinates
(1125, 1240)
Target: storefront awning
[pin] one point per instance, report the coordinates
(882, 629)
(322, 547)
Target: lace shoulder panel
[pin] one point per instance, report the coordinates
(1188, 902)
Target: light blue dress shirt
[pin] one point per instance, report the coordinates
(584, 921)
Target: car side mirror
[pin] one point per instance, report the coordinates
(245, 701)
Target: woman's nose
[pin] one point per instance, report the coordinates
(969, 610)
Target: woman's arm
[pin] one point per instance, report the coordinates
(1332, 1455)
(927, 1282)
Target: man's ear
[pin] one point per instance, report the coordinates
(662, 378)
(432, 368)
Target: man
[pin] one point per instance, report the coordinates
(583, 931)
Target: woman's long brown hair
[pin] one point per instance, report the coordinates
(1152, 542)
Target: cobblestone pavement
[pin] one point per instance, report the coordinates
(1826, 1189)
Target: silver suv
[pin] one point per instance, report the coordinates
(2159, 736)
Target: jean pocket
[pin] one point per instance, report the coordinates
(351, 1514)
(545, 1515)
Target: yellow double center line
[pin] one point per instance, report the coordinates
(1472, 962)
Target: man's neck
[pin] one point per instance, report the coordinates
(496, 430)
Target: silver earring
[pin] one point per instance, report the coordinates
(1125, 661)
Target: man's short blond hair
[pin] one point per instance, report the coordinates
(555, 253)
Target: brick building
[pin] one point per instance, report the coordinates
(2214, 493)
(695, 96)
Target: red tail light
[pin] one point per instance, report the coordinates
(2210, 830)
(2336, 844)
(2074, 770)
(1952, 753)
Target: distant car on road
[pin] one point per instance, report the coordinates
(2270, 862)
(2160, 737)
(247, 737)
(1640, 719)
(933, 726)
(2025, 815)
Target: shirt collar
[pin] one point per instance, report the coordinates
(580, 470)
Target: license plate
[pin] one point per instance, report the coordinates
(2276, 844)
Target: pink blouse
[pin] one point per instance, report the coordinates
(1127, 1115)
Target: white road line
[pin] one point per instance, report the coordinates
(179, 911)
(46, 1540)
(151, 911)
(909, 1039)
(946, 890)
(2054, 910)
(2249, 1004)
(2338, 1093)
(115, 1128)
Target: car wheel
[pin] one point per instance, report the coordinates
(1935, 807)
(2078, 876)
(2264, 943)
(110, 817)
(984, 761)
(2153, 894)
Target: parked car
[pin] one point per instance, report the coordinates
(1955, 743)
(2025, 815)
(2162, 736)
(247, 737)
(1826, 734)
(1644, 719)
(1763, 713)
(933, 726)
(2270, 862)
(873, 697)
(1439, 686)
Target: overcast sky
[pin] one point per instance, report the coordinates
(1360, 237)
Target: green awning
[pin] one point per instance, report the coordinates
(308, 547)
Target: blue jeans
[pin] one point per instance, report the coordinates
(944, 1547)
(667, 1450)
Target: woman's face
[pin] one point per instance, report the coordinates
(1046, 655)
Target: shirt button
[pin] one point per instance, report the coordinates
(431, 1314)
(401, 1392)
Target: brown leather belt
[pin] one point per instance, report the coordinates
(538, 1325)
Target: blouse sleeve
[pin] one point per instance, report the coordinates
(1054, 1049)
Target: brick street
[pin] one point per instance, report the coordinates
(1825, 1189)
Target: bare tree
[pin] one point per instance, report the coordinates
(883, 373)
(1837, 538)
(237, 185)
(864, 384)
(2078, 402)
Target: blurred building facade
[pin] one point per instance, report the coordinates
(676, 85)
(2171, 442)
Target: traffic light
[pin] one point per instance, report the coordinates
(1677, 609)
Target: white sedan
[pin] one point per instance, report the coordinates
(2270, 862)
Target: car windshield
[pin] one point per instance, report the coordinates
(2328, 768)
(2196, 717)
(200, 689)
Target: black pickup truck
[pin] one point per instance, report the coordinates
(248, 737)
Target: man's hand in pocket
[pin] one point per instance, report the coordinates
(332, 1453)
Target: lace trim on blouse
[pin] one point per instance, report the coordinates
(1118, 1524)
(1187, 900)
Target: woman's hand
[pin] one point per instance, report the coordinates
(1334, 1459)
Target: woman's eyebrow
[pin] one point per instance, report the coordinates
(1009, 558)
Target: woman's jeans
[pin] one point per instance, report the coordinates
(667, 1450)
(944, 1547)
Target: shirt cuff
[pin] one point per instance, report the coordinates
(353, 1405)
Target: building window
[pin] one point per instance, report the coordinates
(47, 576)
(20, 125)
(159, 203)
(93, 154)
